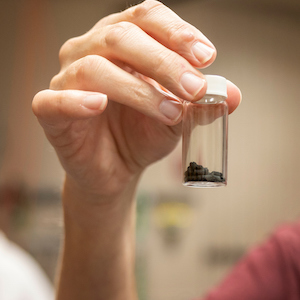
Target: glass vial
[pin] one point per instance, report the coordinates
(204, 137)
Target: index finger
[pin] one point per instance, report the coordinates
(164, 25)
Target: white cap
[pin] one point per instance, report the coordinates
(216, 85)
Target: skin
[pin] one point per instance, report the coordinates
(104, 116)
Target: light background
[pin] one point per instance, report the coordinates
(258, 45)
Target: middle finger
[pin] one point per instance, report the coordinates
(126, 44)
(164, 25)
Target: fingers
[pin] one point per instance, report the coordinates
(151, 39)
(126, 43)
(97, 74)
(169, 29)
(56, 110)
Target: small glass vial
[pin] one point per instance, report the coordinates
(204, 137)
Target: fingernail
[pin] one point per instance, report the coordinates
(191, 83)
(202, 52)
(95, 101)
(171, 109)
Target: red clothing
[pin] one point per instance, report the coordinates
(269, 272)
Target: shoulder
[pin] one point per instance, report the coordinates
(287, 237)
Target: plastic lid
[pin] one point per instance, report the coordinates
(216, 85)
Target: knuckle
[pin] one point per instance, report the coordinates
(55, 82)
(176, 32)
(67, 49)
(78, 74)
(81, 71)
(116, 32)
(144, 8)
(165, 63)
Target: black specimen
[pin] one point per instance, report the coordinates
(197, 172)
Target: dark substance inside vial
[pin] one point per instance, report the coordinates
(197, 172)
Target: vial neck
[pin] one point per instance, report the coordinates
(211, 99)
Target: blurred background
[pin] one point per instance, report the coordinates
(187, 239)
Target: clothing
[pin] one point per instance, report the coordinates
(21, 278)
(270, 272)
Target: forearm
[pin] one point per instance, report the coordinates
(99, 247)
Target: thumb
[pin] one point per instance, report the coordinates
(55, 110)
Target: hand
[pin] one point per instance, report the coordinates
(143, 60)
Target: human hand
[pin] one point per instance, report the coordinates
(130, 57)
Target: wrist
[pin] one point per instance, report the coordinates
(99, 242)
(89, 206)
